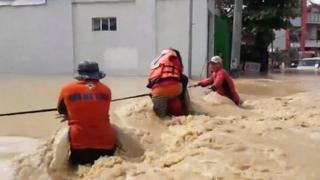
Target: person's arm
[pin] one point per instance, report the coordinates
(61, 107)
(218, 80)
(109, 97)
(205, 82)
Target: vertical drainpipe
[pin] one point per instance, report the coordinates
(303, 26)
(190, 39)
(74, 61)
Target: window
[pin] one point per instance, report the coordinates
(95, 24)
(104, 24)
(113, 24)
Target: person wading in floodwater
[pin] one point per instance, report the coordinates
(168, 85)
(220, 81)
(85, 104)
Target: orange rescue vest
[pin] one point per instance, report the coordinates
(166, 67)
(87, 105)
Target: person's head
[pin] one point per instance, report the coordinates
(215, 63)
(172, 54)
(177, 53)
(89, 70)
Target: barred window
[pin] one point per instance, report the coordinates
(104, 24)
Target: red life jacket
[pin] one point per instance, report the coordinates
(166, 67)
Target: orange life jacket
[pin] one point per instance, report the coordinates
(166, 67)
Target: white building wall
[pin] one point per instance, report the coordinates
(126, 51)
(54, 37)
(173, 27)
(173, 30)
(36, 39)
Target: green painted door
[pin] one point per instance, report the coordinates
(222, 41)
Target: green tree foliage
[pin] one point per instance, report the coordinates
(261, 17)
(259, 20)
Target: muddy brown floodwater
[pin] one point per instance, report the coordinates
(275, 134)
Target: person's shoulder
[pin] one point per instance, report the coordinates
(69, 85)
(106, 87)
(223, 71)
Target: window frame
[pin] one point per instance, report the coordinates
(94, 20)
(104, 24)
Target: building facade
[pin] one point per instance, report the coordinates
(311, 39)
(124, 36)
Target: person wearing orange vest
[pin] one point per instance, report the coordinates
(220, 81)
(85, 103)
(168, 84)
